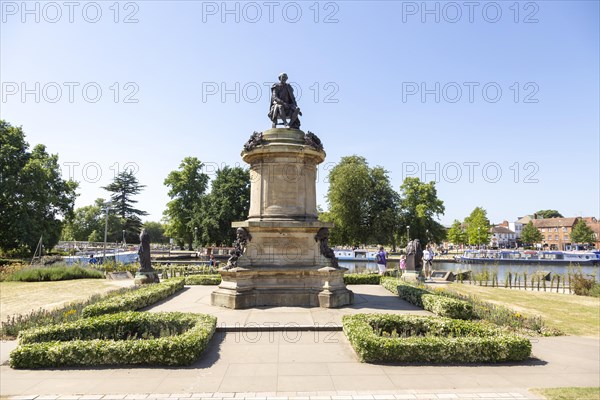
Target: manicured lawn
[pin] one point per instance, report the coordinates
(592, 393)
(574, 315)
(22, 297)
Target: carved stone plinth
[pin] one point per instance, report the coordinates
(285, 262)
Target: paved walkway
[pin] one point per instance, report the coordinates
(307, 364)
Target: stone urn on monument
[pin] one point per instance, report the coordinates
(281, 255)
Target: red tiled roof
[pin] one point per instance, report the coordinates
(500, 229)
(554, 222)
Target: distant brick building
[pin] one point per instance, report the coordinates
(556, 232)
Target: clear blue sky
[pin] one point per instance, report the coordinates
(361, 68)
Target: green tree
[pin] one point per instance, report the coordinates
(124, 186)
(187, 187)
(478, 227)
(228, 201)
(156, 230)
(530, 234)
(456, 233)
(33, 196)
(383, 208)
(419, 209)
(89, 219)
(582, 233)
(549, 214)
(362, 204)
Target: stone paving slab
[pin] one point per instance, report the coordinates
(306, 364)
(367, 299)
(291, 396)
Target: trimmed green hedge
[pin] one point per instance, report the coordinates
(203, 279)
(140, 298)
(440, 305)
(362, 279)
(447, 307)
(419, 339)
(117, 339)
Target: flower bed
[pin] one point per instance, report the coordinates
(116, 339)
(419, 339)
(135, 300)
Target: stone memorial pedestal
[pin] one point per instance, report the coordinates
(285, 261)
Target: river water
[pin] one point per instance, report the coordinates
(501, 269)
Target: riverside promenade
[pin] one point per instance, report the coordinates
(300, 353)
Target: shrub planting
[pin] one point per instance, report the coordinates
(447, 307)
(202, 279)
(117, 339)
(419, 339)
(582, 284)
(54, 273)
(40, 317)
(140, 298)
(172, 271)
(362, 279)
(467, 307)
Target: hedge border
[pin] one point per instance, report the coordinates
(56, 346)
(203, 280)
(469, 342)
(362, 279)
(440, 305)
(140, 298)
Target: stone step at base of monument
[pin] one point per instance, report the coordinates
(329, 327)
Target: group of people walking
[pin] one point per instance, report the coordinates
(382, 261)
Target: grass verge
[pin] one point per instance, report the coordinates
(569, 393)
(573, 315)
(23, 297)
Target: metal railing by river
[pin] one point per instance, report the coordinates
(502, 270)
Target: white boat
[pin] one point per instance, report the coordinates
(354, 255)
(529, 257)
(84, 258)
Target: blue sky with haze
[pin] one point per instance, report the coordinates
(496, 101)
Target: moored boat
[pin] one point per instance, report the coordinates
(529, 257)
(354, 255)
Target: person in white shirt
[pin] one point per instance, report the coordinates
(427, 257)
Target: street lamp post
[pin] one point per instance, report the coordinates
(124, 243)
(478, 238)
(195, 236)
(407, 234)
(107, 206)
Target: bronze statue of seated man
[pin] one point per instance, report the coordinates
(283, 104)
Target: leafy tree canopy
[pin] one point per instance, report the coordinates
(123, 188)
(187, 187)
(456, 233)
(228, 201)
(582, 233)
(156, 230)
(88, 222)
(33, 195)
(362, 204)
(530, 234)
(549, 214)
(478, 227)
(420, 207)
